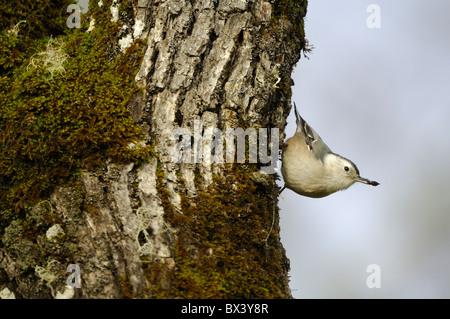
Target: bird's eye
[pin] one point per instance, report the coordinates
(346, 168)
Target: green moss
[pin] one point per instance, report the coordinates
(43, 17)
(293, 11)
(24, 21)
(220, 249)
(54, 124)
(126, 287)
(11, 54)
(126, 10)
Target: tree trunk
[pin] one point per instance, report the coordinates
(161, 228)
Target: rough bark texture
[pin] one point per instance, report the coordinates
(158, 228)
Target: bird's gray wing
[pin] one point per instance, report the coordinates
(313, 141)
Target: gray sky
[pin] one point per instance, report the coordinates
(380, 97)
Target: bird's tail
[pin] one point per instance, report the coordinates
(299, 120)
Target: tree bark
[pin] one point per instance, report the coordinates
(161, 229)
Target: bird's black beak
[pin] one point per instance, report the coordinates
(367, 181)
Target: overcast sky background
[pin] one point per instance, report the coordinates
(380, 97)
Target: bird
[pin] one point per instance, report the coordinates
(311, 169)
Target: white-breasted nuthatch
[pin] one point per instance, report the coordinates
(311, 169)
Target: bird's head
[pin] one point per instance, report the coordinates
(343, 173)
